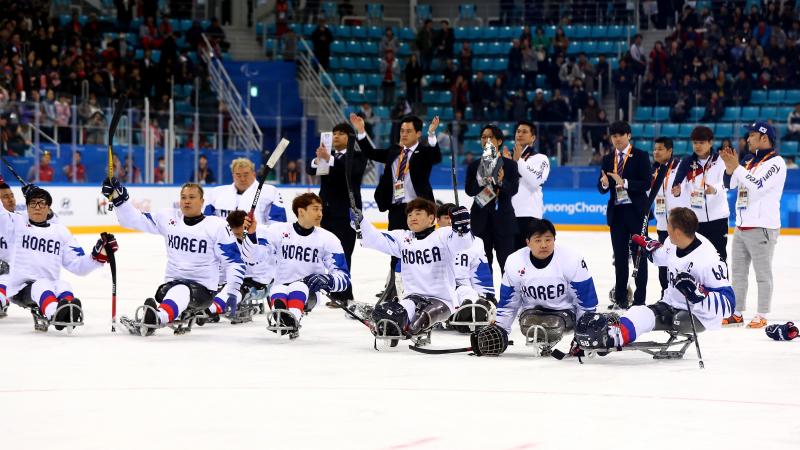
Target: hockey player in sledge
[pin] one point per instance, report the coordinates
(429, 279)
(9, 204)
(39, 249)
(310, 259)
(697, 275)
(475, 295)
(196, 247)
(548, 286)
(221, 200)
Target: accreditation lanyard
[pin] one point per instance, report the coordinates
(755, 166)
(665, 183)
(705, 169)
(617, 169)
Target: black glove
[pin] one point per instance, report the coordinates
(459, 218)
(318, 281)
(785, 332)
(27, 188)
(686, 285)
(113, 189)
(106, 242)
(356, 216)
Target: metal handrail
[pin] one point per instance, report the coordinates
(47, 138)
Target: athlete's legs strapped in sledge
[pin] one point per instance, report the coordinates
(292, 297)
(179, 297)
(3, 297)
(544, 325)
(391, 320)
(51, 301)
(473, 311)
(424, 312)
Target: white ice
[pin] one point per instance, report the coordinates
(241, 387)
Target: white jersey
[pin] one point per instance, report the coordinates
(259, 265)
(700, 173)
(194, 252)
(665, 201)
(472, 269)
(221, 200)
(7, 238)
(529, 199)
(760, 183)
(39, 252)
(564, 284)
(298, 256)
(711, 275)
(428, 263)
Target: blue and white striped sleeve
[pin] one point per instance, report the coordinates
(509, 304)
(336, 264)
(582, 287)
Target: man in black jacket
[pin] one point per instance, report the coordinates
(626, 174)
(492, 215)
(333, 192)
(407, 168)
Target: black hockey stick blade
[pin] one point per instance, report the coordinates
(348, 175)
(273, 159)
(443, 351)
(121, 101)
(13, 172)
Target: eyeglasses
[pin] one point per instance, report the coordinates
(36, 204)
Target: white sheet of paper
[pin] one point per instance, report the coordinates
(325, 140)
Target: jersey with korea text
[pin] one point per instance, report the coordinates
(760, 187)
(472, 269)
(260, 265)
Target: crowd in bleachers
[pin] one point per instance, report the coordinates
(67, 69)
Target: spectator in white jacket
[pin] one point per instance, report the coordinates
(533, 168)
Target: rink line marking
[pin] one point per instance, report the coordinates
(447, 390)
(415, 443)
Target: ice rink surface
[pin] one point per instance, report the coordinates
(242, 387)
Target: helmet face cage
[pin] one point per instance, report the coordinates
(489, 341)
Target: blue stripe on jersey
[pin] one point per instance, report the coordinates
(340, 262)
(78, 251)
(626, 323)
(262, 241)
(209, 210)
(277, 213)
(150, 218)
(387, 236)
(484, 275)
(724, 293)
(587, 295)
(231, 252)
(506, 293)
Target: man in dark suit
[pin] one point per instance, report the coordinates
(333, 191)
(407, 167)
(492, 214)
(626, 174)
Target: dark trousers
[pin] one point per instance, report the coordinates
(347, 236)
(522, 224)
(662, 270)
(499, 239)
(716, 231)
(621, 233)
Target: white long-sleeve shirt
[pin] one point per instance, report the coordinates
(665, 201)
(529, 199)
(702, 173)
(427, 264)
(194, 252)
(762, 183)
(39, 252)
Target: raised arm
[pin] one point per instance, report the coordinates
(383, 241)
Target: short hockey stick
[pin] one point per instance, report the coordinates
(273, 159)
(112, 129)
(348, 173)
(662, 170)
(112, 263)
(694, 332)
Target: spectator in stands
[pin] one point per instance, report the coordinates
(497, 100)
(96, 128)
(425, 45)
(540, 41)
(388, 42)
(321, 39)
(558, 112)
(124, 13)
(47, 118)
(148, 34)
(658, 60)
(568, 73)
(539, 106)
(624, 82)
(194, 35)
(457, 128)
(741, 89)
(203, 175)
(793, 124)
(602, 69)
(63, 116)
(588, 70)
(413, 73)
(445, 40)
(46, 172)
(530, 64)
(598, 132)
(311, 11)
(159, 174)
(468, 158)
(369, 117)
(714, 109)
(479, 95)
(514, 68)
(459, 94)
(560, 42)
(390, 71)
(79, 169)
(465, 61)
(790, 163)
(519, 106)
(289, 45)
(291, 173)
(638, 58)
(132, 173)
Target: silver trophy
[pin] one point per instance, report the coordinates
(491, 163)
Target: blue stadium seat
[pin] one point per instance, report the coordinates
(541, 81)
(475, 33)
(643, 114)
(363, 63)
(792, 96)
(308, 29)
(500, 64)
(358, 79)
(473, 146)
(338, 47)
(429, 97)
(155, 55)
(330, 10)
(359, 32)
(685, 130)
(507, 33)
(480, 49)
(569, 30)
(406, 34)
(473, 130)
(582, 31)
(783, 113)
(590, 47)
(661, 113)
(614, 63)
(575, 47)
(370, 48)
(758, 97)
(788, 148)
(404, 50)
(776, 96)
(348, 63)
(343, 32)
(731, 114)
(637, 128)
(461, 33)
(374, 11)
(644, 144)
(382, 112)
(355, 47)
(696, 113)
(680, 147)
(550, 31)
(342, 79)
(669, 130)
(724, 130)
(423, 12)
(375, 32)
(605, 48)
(749, 114)
(374, 80)
(445, 97)
(615, 31)
(434, 111)
(447, 113)
(768, 112)
(497, 49)
(599, 31)
(466, 12)
(491, 33)
(649, 131)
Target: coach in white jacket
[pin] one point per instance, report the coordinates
(760, 183)
(533, 168)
